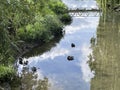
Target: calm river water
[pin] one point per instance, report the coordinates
(51, 59)
(95, 62)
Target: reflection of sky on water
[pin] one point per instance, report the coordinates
(81, 3)
(85, 24)
(87, 74)
(64, 74)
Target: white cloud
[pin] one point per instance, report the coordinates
(87, 73)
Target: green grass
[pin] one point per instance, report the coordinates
(6, 73)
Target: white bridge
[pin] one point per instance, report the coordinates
(83, 12)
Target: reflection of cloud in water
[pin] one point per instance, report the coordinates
(55, 52)
(33, 61)
(82, 24)
(54, 84)
(87, 73)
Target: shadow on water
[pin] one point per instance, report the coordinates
(45, 47)
(106, 54)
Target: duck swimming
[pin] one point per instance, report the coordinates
(72, 45)
(70, 58)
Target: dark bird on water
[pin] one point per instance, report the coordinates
(70, 58)
(72, 45)
(34, 69)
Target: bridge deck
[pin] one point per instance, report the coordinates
(84, 10)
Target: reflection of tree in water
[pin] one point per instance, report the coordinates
(106, 53)
(28, 80)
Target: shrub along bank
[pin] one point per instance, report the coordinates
(28, 22)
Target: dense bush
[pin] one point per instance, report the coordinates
(48, 22)
(43, 30)
(61, 10)
(53, 24)
(66, 18)
(58, 7)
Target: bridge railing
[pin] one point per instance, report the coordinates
(84, 12)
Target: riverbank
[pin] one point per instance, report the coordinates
(106, 53)
(39, 22)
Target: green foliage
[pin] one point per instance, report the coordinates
(24, 17)
(6, 73)
(58, 7)
(53, 24)
(66, 18)
(31, 32)
(6, 52)
(61, 10)
(42, 30)
(47, 23)
(28, 20)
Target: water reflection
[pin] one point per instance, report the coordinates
(87, 73)
(106, 54)
(48, 67)
(53, 64)
(51, 60)
(28, 80)
(81, 3)
(82, 23)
